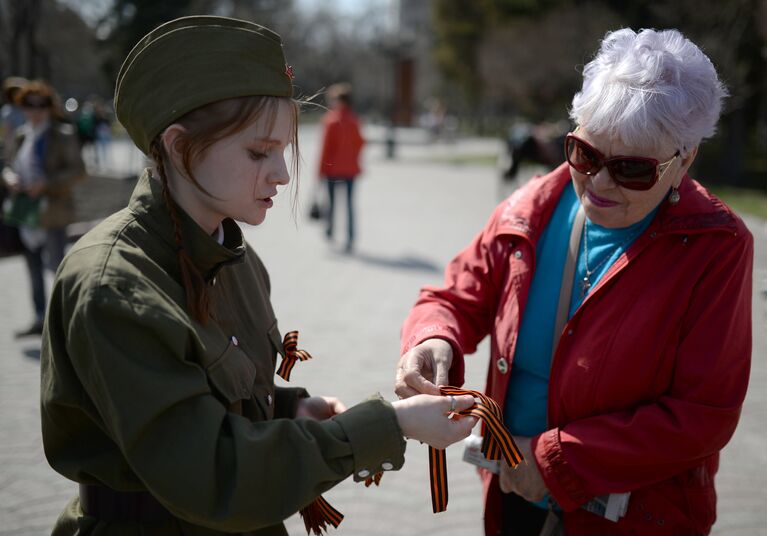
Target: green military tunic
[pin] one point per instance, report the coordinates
(137, 396)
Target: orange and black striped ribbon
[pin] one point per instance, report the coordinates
(375, 479)
(497, 442)
(318, 515)
(292, 355)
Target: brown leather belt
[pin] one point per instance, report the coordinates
(109, 505)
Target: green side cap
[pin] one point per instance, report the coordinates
(193, 61)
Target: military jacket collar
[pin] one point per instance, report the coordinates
(207, 254)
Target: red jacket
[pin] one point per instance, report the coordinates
(650, 373)
(341, 144)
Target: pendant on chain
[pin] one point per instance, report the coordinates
(585, 286)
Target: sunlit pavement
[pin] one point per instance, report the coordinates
(413, 215)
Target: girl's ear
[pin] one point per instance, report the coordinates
(172, 141)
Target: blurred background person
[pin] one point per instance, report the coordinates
(45, 163)
(86, 130)
(11, 115)
(102, 134)
(342, 144)
(94, 132)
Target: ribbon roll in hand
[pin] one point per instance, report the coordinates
(496, 443)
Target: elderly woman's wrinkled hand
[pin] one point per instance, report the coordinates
(525, 480)
(424, 368)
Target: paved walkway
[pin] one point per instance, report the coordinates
(414, 215)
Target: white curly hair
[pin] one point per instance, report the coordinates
(650, 88)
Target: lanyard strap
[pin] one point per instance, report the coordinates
(566, 289)
(292, 355)
(496, 443)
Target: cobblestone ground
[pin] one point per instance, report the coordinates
(414, 214)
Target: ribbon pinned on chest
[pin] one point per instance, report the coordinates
(292, 355)
(496, 443)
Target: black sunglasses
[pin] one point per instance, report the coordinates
(631, 172)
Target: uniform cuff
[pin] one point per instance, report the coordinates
(375, 437)
(564, 485)
(286, 401)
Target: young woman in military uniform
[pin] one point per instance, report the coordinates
(160, 344)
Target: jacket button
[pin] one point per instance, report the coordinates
(503, 365)
(213, 282)
(269, 400)
(518, 254)
(364, 473)
(235, 341)
(387, 466)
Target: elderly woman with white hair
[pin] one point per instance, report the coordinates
(617, 294)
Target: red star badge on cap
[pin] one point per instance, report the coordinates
(289, 72)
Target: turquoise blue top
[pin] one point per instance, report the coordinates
(526, 398)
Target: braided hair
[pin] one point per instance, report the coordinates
(197, 296)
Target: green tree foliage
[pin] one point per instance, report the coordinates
(129, 21)
(729, 33)
(523, 57)
(460, 26)
(134, 18)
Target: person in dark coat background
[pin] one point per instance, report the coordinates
(43, 166)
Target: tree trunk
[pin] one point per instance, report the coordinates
(32, 18)
(732, 163)
(18, 22)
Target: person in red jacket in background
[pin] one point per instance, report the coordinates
(617, 294)
(342, 144)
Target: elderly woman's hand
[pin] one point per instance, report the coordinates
(424, 368)
(526, 480)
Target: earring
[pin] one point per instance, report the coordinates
(674, 196)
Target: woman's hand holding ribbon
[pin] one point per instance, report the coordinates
(424, 368)
(525, 480)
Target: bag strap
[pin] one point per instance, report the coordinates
(566, 289)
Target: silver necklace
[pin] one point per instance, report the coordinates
(586, 281)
